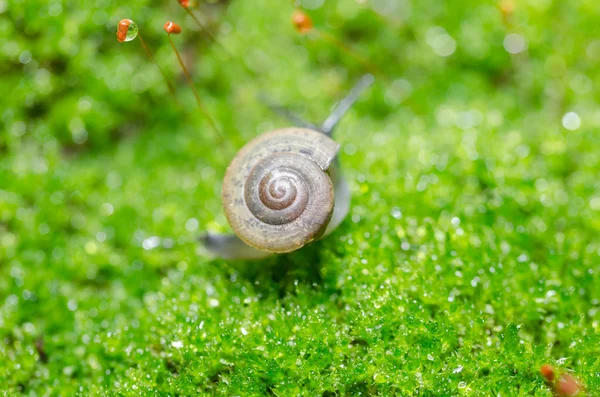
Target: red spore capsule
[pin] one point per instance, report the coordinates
(302, 22)
(184, 3)
(122, 29)
(172, 28)
(547, 372)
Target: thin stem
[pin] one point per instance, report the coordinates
(206, 30)
(151, 57)
(198, 100)
(364, 61)
(218, 42)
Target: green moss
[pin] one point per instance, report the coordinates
(470, 256)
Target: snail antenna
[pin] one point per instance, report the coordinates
(336, 115)
(345, 104)
(287, 114)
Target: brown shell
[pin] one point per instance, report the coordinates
(277, 195)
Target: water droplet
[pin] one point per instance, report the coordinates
(106, 209)
(350, 149)
(18, 128)
(177, 344)
(91, 248)
(25, 57)
(72, 305)
(113, 180)
(593, 50)
(151, 243)
(571, 121)
(440, 41)
(192, 224)
(127, 30)
(514, 43)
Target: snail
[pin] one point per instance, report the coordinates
(284, 189)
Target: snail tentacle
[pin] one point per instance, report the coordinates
(296, 120)
(345, 104)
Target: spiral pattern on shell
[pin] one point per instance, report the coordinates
(277, 195)
(275, 192)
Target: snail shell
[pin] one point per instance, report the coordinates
(277, 195)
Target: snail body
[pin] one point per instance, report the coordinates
(284, 189)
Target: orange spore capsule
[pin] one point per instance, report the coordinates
(302, 22)
(122, 28)
(547, 372)
(567, 386)
(172, 28)
(507, 7)
(184, 3)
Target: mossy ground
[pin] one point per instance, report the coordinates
(471, 255)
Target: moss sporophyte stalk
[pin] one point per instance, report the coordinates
(127, 30)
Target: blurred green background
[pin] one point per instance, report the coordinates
(470, 256)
